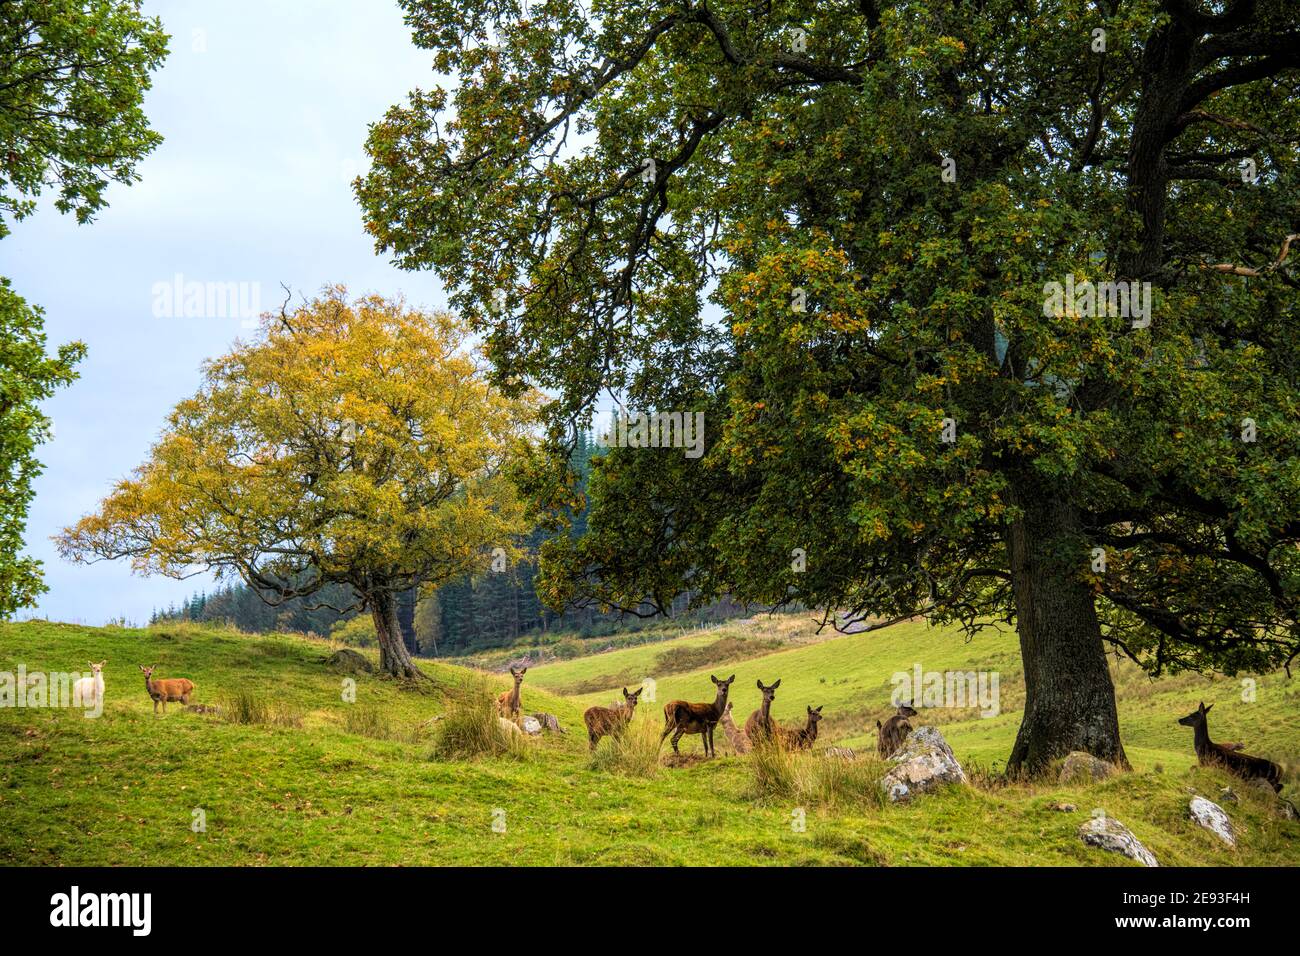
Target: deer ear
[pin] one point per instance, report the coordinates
(777, 684)
(714, 679)
(625, 693)
(523, 671)
(731, 678)
(819, 709)
(1207, 709)
(759, 683)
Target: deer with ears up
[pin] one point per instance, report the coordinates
(804, 737)
(895, 730)
(162, 691)
(759, 726)
(1208, 753)
(610, 721)
(508, 700)
(682, 717)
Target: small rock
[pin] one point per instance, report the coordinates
(1081, 767)
(1109, 834)
(532, 725)
(350, 662)
(844, 753)
(1211, 816)
(550, 722)
(202, 709)
(1228, 795)
(1062, 807)
(922, 764)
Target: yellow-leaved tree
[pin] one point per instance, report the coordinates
(353, 442)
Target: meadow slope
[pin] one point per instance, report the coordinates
(320, 780)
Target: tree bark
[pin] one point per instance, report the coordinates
(394, 659)
(1069, 697)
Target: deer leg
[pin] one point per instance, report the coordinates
(594, 739)
(676, 737)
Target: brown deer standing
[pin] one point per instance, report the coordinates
(610, 721)
(162, 691)
(759, 726)
(508, 700)
(803, 738)
(891, 736)
(683, 717)
(739, 741)
(1210, 754)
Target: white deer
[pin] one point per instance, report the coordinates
(89, 691)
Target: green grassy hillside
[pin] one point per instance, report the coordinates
(850, 676)
(316, 779)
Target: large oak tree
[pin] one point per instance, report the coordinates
(352, 442)
(875, 196)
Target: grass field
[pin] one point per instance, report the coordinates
(323, 781)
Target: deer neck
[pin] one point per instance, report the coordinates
(148, 685)
(1201, 738)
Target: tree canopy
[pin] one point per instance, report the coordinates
(843, 231)
(352, 443)
(27, 377)
(72, 80)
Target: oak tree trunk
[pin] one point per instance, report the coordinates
(394, 658)
(1069, 697)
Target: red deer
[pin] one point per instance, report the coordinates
(1210, 754)
(508, 700)
(682, 717)
(162, 691)
(610, 721)
(891, 736)
(803, 738)
(759, 726)
(739, 741)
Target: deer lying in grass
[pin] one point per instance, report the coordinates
(759, 726)
(162, 691)
(89, 691)
(683, 717)
(508, 700)
(1210, 754)
(895, 730)
(739, 740)
(610, 721)
(803, 738)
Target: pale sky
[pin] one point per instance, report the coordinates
(263, 107)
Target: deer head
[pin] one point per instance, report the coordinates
(629, 700)
(815, 715)
(148, 671)
(1197, 717)
(769, 693)
(724, 688)
(97, 669)
(906, 710)
(518, 674)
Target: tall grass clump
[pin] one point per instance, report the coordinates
(813, 779)
(469, 728)
(367, 720)
(634, 753)
(245, 707)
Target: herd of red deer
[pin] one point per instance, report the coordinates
(683, 717)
